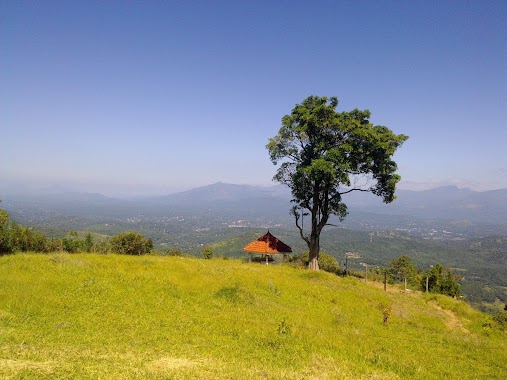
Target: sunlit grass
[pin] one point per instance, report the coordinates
(88, 316)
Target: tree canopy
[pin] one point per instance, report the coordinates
(403, 268)
(130, 243)
(326, 154)
(442, 280)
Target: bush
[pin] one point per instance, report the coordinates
(207, 253)
(326, 262)
(501, 319)
(5, 241)
(130, 243)
(441, 280)
(173, 252)
(71, 244)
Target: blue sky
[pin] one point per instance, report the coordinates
(154, 97)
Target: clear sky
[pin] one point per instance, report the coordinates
(154, 97)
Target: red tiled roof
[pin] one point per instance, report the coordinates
(267, 244)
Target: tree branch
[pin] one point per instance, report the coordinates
(301, 232)
(354, 189)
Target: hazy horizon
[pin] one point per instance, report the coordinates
(125, 191)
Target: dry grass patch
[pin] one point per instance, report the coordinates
(10, 367)
(169, 364)
(451, 320)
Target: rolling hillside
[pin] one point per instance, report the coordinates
(83, 316)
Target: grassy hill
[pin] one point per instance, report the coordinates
(479, 261)
(86, 316)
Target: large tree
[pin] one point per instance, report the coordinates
(326, 154)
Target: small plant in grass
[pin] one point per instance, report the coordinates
(230, 293)
(386, 312)
(284, 328)
(274, 288)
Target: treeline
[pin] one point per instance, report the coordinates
(16, 238)
(436, 279)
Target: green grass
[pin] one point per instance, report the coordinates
(86, 316)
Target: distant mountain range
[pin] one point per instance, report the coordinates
(444, 202)
(448, 202)
(243, 201)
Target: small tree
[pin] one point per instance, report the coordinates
(26, 239)
(403, 269)
(325, 155)
(441, 280)
(130, 243)
(207, 252)
(88, 242)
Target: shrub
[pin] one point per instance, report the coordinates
(501, 319)
(173, 252)
(5, 243)
(326, 262)
(441, 280)
(130, 243)
(207, 253)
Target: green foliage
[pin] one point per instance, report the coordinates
(173, 252)
(229, 293)
(326, 262)
(4, 217)
(386, 310)
(323, 152)
(403, 269)
(441, 280)
(26, 239)
(5, 241)
(130, 243)
(72, 244)
(501, 318)
(284, 328)
(88, 243)
(16, 238)
(207, 252)
(101, 247)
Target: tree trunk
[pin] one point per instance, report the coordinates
(313, 256)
